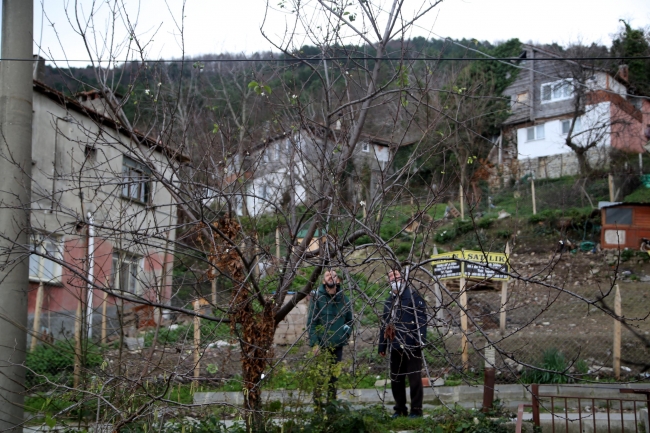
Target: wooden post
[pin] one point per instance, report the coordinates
(610, 183)
(464, 346)
(104, 318)
(365, 213)
(77, 344)
(277, 243)
(37, 317)
(214, 292)
(532, 191)
(197, 341)
(489, 379)
(437, 292)
(255, 263)
(617, 334)
(461, 198)
(504, 295)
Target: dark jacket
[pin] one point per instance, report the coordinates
(404, 321)
(328, 317)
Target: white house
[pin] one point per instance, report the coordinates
(287, 169)
(550, 96)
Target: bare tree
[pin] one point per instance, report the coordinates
(241, 175)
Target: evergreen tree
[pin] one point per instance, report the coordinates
(634, 43)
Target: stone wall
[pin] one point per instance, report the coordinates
(565, 164)
(294, 325)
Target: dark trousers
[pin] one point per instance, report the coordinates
(402, 364)
(335, 355)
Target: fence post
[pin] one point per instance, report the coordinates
(214, 292)
(504, 295)
(532, 191)
(104, 318)
(488, 379)
(617, 334)
(77, 343)
(535, 401)
(461, 198)
(197, 341)
(37, 316)
(463, 325)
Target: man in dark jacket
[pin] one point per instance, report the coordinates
(403, 334)
(330, 323)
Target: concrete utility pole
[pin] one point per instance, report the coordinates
(15, 192)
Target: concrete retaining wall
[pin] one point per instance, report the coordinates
(465, 395)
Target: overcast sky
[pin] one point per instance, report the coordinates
(214, 26)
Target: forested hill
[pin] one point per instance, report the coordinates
(430, 90)
(72, 80)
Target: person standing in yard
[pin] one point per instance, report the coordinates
(403, 335)
(330, 325)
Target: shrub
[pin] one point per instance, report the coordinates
(551, 370)
(627, 255)
(388, 230)
(549, 215)
(445, 236)
(55, 363)
(463, 226)
(403, 248)
(341, 417)
(504, 234)
(485, 222)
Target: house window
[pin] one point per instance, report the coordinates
(265, 191)
(124, 274)
(45, 268)
(365, 147)
(519, 98)
(265, 156)
(557, 90)
(618, 216)
(566, 125)
(136, 180)
(277, 151)
(535, 133)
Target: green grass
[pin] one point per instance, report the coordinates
(640, 195)
(46, 403)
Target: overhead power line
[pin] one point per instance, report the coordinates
(360, 58)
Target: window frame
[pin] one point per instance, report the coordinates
(141, 180)
(618, 212)
(556, 86)
(577, 128)
(365, 146)
(38, 241)
(134, 261)
(535, 129)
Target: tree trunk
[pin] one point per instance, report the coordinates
(257, 350)
(255, 326)
(583, 162)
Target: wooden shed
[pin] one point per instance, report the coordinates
(624, 224)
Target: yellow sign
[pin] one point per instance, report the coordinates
(474, 264)
(445, 267)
